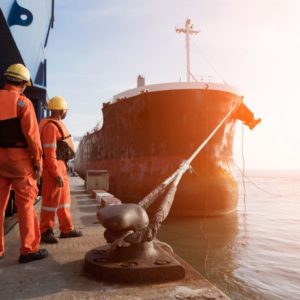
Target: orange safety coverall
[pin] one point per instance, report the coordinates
(54, 199)
(17, 169)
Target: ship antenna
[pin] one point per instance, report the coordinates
(187, 30)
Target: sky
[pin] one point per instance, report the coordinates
(98, 47)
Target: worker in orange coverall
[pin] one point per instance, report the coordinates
(58, 149)
(20, 161)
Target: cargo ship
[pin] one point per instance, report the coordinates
(24, 32)
(148, 131)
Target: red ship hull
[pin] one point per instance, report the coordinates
(145, 137)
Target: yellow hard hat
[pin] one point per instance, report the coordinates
(18, 73)
(58, 103)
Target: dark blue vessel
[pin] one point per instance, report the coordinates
(24, 33)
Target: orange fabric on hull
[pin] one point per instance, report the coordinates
(54, 199)
(16, 169)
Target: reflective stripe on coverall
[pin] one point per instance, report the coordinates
(54, 199)
(16, 169)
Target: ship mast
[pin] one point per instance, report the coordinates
(187, 30)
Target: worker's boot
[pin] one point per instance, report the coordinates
(26, 258)
(70, 234)
(48, 237)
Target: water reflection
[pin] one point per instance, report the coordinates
(248, 256)
(211, 245)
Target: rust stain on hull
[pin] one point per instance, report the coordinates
(145, 138)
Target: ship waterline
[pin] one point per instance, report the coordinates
(146, 136)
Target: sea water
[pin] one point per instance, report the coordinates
(253, 253)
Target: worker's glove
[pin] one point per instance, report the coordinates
(37, 173)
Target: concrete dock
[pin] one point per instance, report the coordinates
(61, 275)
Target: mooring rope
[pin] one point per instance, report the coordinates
(176, 176)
